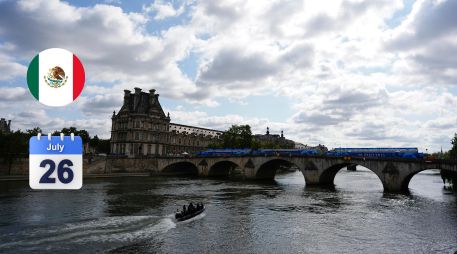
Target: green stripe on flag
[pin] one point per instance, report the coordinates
(32, 77)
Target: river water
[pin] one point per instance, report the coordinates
(134, 215)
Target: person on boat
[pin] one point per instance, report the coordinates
(191, 208)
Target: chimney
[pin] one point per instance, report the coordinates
(126, 96)
(9, 123)
(151, 98)
(136, 98)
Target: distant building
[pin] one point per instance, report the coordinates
(271, 140)
(319, 147)
(141, 128)
(299, 146)
(5, 127)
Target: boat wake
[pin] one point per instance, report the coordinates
(200, 216)
(109, 230)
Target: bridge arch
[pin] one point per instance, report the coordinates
(407, 179)
(224, 168)
(182, 168)
(267, 170)
(327, 177)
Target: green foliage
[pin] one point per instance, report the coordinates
(34, 131)
(100, 145)
(13, 144)
(215, 145)
(238, 136)
(453, 152)
(67, 131)
(103, 146)
(16, 144)
(94, 142)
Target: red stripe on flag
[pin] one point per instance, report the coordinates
(78, 77)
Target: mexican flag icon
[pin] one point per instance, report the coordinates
(55, 77)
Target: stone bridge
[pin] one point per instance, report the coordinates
(395, 174)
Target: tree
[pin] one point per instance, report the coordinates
(94, 141)
(238, 136)
(34, 131)
(67, 131)
(100, 145)
(103, 146)
(453, 151)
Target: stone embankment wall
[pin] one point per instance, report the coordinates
(17, 166)
(131, 165)
(93, 165)
(20, 166)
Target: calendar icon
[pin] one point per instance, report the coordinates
(55, 162)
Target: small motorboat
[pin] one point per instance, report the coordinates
(180, 216)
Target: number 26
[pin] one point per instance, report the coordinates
(64, 166)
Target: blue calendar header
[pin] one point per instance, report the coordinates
(55, 145)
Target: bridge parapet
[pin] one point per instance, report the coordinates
(394, 174)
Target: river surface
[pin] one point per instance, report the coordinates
(134, 215)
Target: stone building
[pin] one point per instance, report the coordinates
(141, 128)
(268, 139)
(5, 126)
(321, 148)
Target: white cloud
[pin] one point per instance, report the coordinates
(163, 10)
(426, 43)
(13, 94)
(355, 80)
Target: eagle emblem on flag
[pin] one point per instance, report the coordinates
(56, 77)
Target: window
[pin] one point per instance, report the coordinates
(137, 136)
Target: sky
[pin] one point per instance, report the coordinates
(355, 73)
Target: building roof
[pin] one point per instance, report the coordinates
(142, 103)
(188, 126)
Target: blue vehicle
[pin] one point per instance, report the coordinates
(379, 149)
(224, 152)
(256, 152)
(310, 152)
(277, 152)
(376, 153)
(411, 153)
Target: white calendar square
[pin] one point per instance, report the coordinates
(55, 162)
